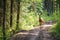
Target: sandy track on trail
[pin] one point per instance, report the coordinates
(35, 34)
(45, 31)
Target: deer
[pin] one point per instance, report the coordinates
(41, 21)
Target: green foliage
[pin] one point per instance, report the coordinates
(37, 7)
(28, 20)
(52, 17)
(56, 31)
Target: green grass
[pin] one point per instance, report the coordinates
(49, 18)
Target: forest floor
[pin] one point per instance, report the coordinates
(38, 33)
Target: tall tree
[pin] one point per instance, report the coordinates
(1, 11)
(49, 6)
(18, 13)
(11, 11)
(3, 27)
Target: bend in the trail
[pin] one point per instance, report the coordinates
(35, 34)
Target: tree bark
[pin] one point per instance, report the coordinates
(3, 27)
(18, 13)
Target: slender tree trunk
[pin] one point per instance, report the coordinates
(4, 12)
(1, 12)
(11, 11)
(18, 13)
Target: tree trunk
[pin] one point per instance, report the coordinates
(4, 12)
(11, 11)
(18, 13)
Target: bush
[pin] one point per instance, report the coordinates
(56, 31)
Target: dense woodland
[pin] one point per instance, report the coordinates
(18, 15)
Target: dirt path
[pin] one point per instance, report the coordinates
(35, 34)
(46, 34)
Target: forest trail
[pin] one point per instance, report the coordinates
(45, 31)
(35, 34)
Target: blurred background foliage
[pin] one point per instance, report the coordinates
(25, 14)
